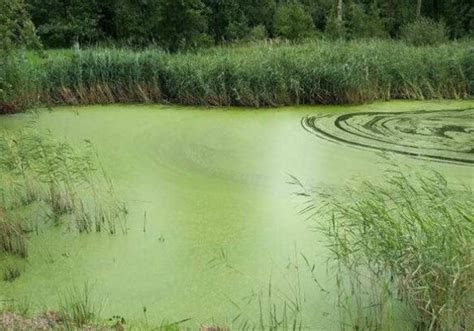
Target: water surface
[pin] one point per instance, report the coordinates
(213, 221)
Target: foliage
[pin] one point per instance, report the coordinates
(365, 22)
(62, 23)
(16, 28)
(16, 31)
(411, 236)
(424, 31)
(181, 23)
(335, 29)
(259, 12)
(457, 15)
(131, 22)
(292, 21)
(226, 20)
(145, 22)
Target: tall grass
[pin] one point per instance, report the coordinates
(78, 308)
(12, 236)
(11, 272)
(318, 72)
(410, 239)
(65, 184)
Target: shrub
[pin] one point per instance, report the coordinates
(424, 31)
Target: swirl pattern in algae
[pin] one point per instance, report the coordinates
(440, 135)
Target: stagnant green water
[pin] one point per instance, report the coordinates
(213, 222)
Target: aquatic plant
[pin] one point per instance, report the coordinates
(79, 308)
(12, 235)
(11, 272)
(68, 184)
(409, 238)
(267, 74)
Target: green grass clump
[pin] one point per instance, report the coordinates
(43, 178)
(412, 238)
(12, 236)
(11, 272)
(266, 74)
(78, 308)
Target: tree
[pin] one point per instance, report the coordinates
(335, 27)
(292, 21)
(61, 23)
(16, 32)
(458, 15)
(339, 10)
(182, 24)
(319, 11)
(259, 12)
(135, 22)
(16, 28)
(418, 9)
(363, 21)
(226, 20)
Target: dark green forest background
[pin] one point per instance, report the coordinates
(184, 24)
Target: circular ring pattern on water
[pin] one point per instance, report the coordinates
(440, 135)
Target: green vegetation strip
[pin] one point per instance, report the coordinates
(318, 72)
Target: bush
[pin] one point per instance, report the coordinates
(424, 32)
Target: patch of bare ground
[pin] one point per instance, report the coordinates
(49, 320)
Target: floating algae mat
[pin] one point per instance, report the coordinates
(441, 135)
(215, 232)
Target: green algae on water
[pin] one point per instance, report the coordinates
(209, 181)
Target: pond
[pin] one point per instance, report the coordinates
(214, 227)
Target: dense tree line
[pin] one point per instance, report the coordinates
(179, 24)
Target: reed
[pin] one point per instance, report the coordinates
(11, 272)
(266, 74)
(12, 236)
(68, 183)
(407, 239)
(78, 308)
